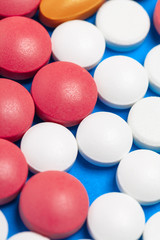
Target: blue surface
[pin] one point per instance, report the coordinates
(97, 180)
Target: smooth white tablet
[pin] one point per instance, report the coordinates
(115, 216)
(124, 24)
(28, 236)
(152, 65)
(79, 42)
(138, 175)
(152, 228)
(144, 120)
(3, 227)
(121, 81)
(104, 138)
(49, 146)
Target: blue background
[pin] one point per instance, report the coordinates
(97, 180)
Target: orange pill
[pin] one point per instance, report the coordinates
(53, 12)
(156, 17)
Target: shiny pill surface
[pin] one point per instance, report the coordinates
(13, 171)
(25, 46)
(64, 93)
(54, 204)
(16, 110)
(27, 8)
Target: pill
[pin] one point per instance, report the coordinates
(26, 8)
(104, 138)
(138, 175)
(25, 46)
(152, 66)
(88, 38)
(144, 119)
(115, 216)
(64, 93)
(13, 171)
(53, 12)
(27, 236)
(54, 204)
(121, 81)
(16, 110)
(3, 226)
(125, 24)
(49, 146)
(156, 17)
(152, 230)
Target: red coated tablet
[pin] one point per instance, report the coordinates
(13, 171)
(54, 204)
(64, 93)
(25, 8)
(156, 17)
(16, 110)
(25, 47)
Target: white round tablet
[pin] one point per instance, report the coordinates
(27, 236)
(121, 81)
(3, 226)
(152, 229)
(49, 146)
(115, 216)
(138, 175)
(104, 138)
(125, 24)
(152, 65)
(144, 120)
(79, 42)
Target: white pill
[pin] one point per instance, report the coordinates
(144, 120)
(115, 216)
(104, 138)
(27, 236)
(121, 81)
(125, 24)
(79, 42)
(3, 227)
(152, 228)
(49, 146)
(152, 65)
(138, 175)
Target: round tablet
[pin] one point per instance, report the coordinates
(27, 236)
(104, 138)
(88, 38)
(3, 226)
(13, 171)
(125, 24)
(16, 110)
(152, 230)
(25, 46)
(54, 204)
(69, 91)
(115, 216)
(144, 119)
(49, 146)
(53, 12)
(25, 8)
(152, 66)
(121, 81)
(156, 17)
(138, 175)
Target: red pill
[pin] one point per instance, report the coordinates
(13, 171)
(25, 47)
(16, 110)
(54, 204)
(156, 17)
(64, 93)
(27, 8)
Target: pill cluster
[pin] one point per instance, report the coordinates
(79, 120)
